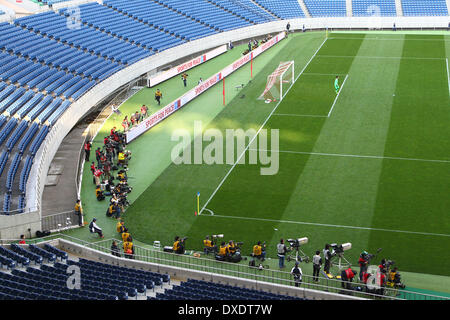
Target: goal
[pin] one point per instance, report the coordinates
(278, 82)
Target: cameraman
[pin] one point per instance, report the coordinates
(347, 276)
(233, 254)
(363, 262)
(327, 254)
(395, 279)
(178, 245)
(222, 254)
(258, 251)
(281, 252)
(208, 246)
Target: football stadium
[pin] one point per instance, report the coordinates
(224, 150)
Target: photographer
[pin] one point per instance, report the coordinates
(222, 254)
(99, 194)
(327, 254)
(394, 279)
(208, 246)
(259, 251)
(347, 276)
(363, 263)
(178, 245)
(233, 253)
(281, 252)
(317, 263)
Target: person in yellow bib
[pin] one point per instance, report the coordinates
(120, 226)
(158, 96)
(125, 235)
(231, 248)
(208, 246)
(79, 212)
(128, 248)
(222, 253)
(121, 158)
(178, 245)
(258, 251)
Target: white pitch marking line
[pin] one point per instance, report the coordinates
(259, 130)
(379, 57)
(386, 39)
(299, 115)
(322, 74)
(448, 76)
(337, 96)
(333, 225)
(352, 155)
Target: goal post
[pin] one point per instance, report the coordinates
(278, 82)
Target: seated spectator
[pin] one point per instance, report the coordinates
(22, 239)
(94, 228)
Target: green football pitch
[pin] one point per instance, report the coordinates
(369, 166)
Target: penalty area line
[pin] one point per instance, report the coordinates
(333, 225)
(352, 155)
(337, 96)
(448, 76)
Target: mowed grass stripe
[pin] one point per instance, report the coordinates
(266, 197)
(342, 190)
(167, 206)
(414, 195)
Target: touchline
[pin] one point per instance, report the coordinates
(210, 147)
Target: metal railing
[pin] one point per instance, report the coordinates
(60, 221)
(242, 271)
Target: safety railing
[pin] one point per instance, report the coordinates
(60, 221)
(243, 271)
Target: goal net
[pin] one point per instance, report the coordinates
(278, 82)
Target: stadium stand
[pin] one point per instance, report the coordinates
(32, 272)
(363, 8)
(207, 13)
(326, 8)
(204, 290)
(424, 8)
(283, 9)
(156, 15)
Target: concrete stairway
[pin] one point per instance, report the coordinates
(349, 8)
(304, 8)
(399, 9)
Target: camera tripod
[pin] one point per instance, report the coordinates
(343, 262)
(300, 256)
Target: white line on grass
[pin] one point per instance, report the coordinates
(448, 76)
(352, 155)
(323, 74)
(259, 130)
(380, 57)
(299, 115)
(386, 39)
(337, 96)
(333, 225)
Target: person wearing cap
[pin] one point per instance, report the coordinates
(94, 228)
(363, 263)
(297, 273)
